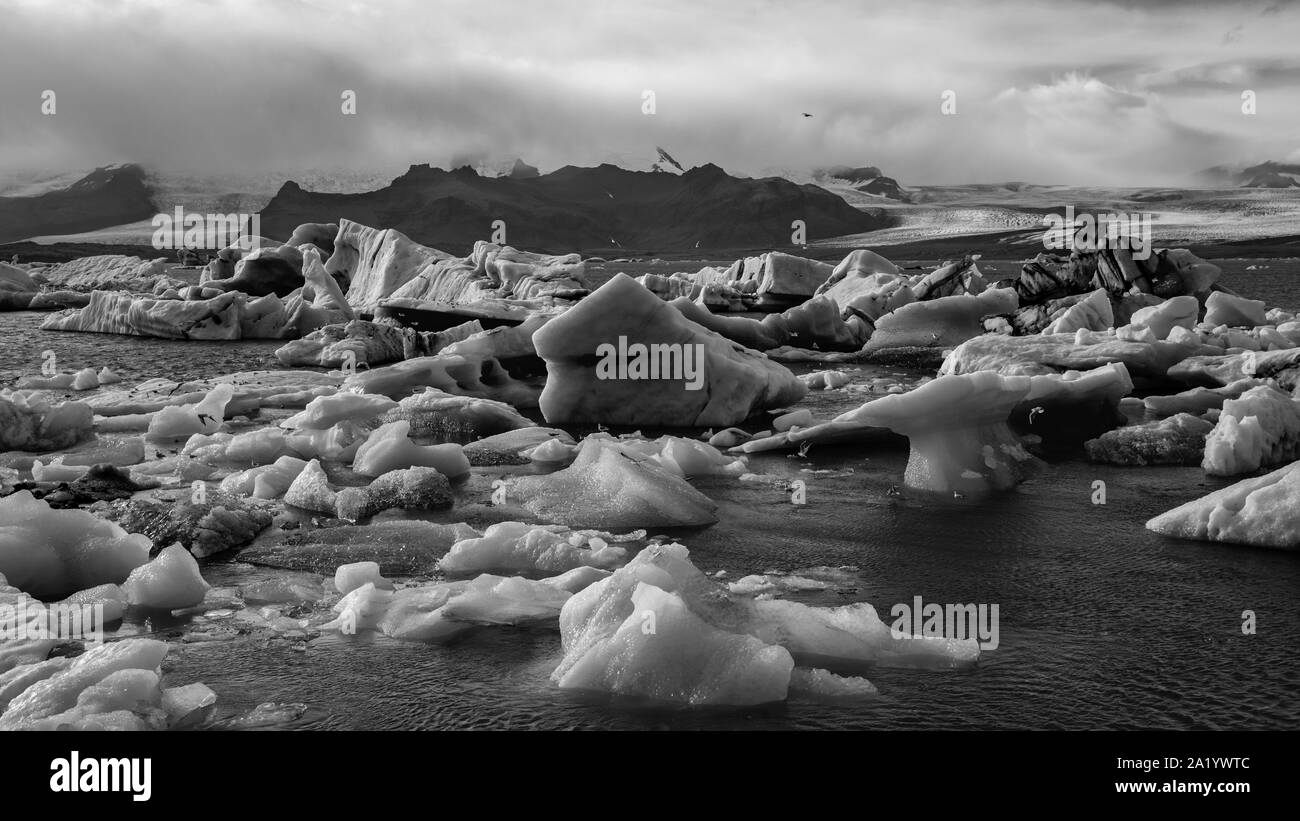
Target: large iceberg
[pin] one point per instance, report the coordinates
(624, 357)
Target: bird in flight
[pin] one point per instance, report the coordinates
(806, 114)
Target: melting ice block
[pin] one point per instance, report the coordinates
(170, 582)
(1177, 440)
(204, 416)
(663, 651)
(649, 630)
(1262, 511)
(957, 427)
(390, 448)
(613, 487)
(1261, 428)
(517, 547)
(52, 553)
(601, 368)
(326, 411)
(68, 698)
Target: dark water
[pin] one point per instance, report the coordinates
(1102, 623)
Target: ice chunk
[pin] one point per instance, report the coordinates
(1178, 440)
(59, 693)
(613, 487)
(170, 582)
(939, 323)
(265, 481)
(188, 706)
(1259, 429)
(725, 383)
(390, 448)
(52, 553)
(605, 629)
(1093, 312)
(825, 380)
(1222, 308)
(1161, 319)
(1262, 511)
(957, 427)
(517, 547)
(349, 577)
(311, 490)
(451, 418)
(508, 448)
(823, 685)
(663, 651)
(204, 416)
(30, 422)
(326, 411)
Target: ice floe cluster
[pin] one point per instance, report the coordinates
(458, 443)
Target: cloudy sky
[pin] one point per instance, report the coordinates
(1077, 92)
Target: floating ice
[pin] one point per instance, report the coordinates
(1262, 511)
(515, 547)
(390, 448)
(205, 416)
(30, 422)
(52, 553)
(613, 487)
(1177, 440)
(732, 381)
(349, 577)
(1161, 320)
(265, 481)
(71, 698)
(170, 582)
(324, 412)
(1222, 308)
(659, 628)
(1261, 428)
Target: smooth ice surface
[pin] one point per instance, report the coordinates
(326, 411)
(169, 582)
(51, 553)
(204, 416)
(349, 577)
(390, 447)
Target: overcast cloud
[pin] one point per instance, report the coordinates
(1078, 92)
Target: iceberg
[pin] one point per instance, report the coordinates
(730, 382)
(1263, 511)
